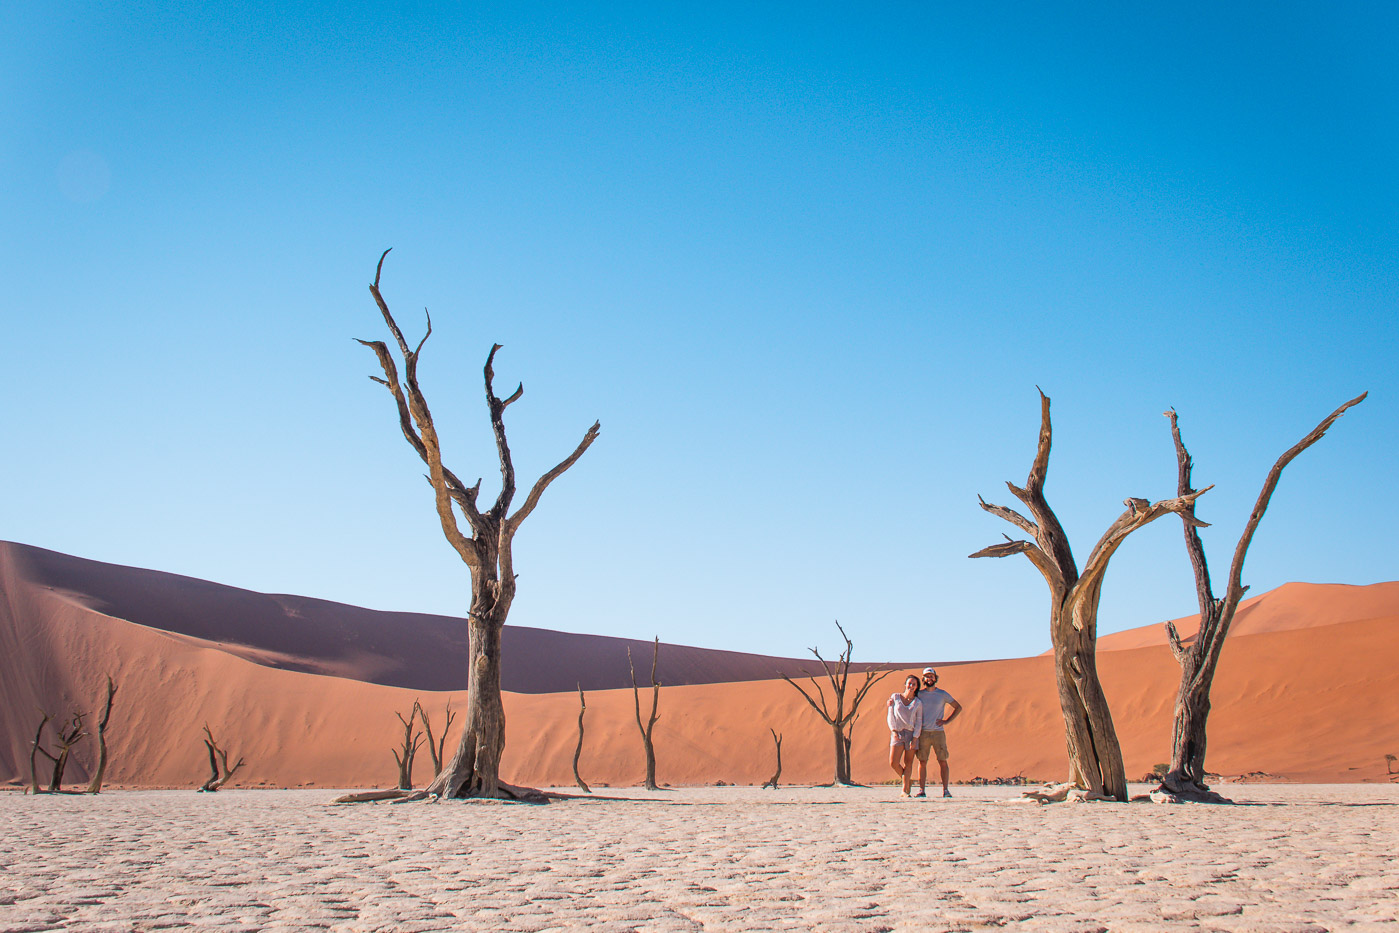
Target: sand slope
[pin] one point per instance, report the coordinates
(400, 649)
(1314, 703)
(1290, 606)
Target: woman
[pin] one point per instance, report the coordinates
(905, 725)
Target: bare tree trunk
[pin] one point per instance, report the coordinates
(842, 775)
(436, 747)
(475, 768)
(404, 756)
(650, 725)
(95, 785)
(68, 736)
(1095, 758)
(772, 781)
(1199, 660)
(220, 772)
(833, 711)
(488, 554)
(35, 749)
(578, 752)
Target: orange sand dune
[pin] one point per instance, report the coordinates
(1290, 606)
(400, 649)
(1312, 704)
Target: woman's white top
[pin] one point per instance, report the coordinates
(905, 716)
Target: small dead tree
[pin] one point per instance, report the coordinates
(772, 781)
(435, 748)
(404, 756)
(94, 786)
(1095, 757)
(834, 711)
(650, 724)
(578, 752)
(488, 554)
(219, 771)
(67, 735)
(1185, 776)
(34, 748)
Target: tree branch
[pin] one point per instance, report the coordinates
(1236, 568)
(1010, 515)
(542, 484)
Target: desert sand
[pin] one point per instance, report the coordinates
(1308, 703)
(1297, 858)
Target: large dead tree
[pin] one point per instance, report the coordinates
(488, 553)
(435, 747)
(1095, 758)
(833, 710)
(578, 752)
(1199, 658)
(404, 755)
(94, 786)
(650, 725)
(220, 772)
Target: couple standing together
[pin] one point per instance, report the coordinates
(915, 727)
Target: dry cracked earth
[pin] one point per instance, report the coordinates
(1292, 858)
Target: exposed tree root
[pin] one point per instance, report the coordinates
(1068, 792)
(1173, 792)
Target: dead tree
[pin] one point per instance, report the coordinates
(578, 752)
(772, 781)
(220, 773)
(833, 711)
(435, 747)
(650, 724)
(94, 786)
(1095, 758)
(34, 749)
(1185, 776)
(488, 554)
(68, 735)
(412, 738)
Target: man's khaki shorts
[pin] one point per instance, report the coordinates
(932, 739)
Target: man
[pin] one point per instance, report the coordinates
(933, 739)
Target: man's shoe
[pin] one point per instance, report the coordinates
(921, 794)
(946, 792)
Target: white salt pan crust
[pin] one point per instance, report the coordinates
(732, 858)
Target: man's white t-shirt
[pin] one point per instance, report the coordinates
(934, 705)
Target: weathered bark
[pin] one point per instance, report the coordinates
(436, 747)
(404, 755)
(772, 781)
(94, 786)
(578, 752)
(474, 770)
(1200, 658)
(833, 711)
(1095, 758)
(219, 771)
(650, 724)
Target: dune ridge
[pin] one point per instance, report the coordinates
(1306, 703)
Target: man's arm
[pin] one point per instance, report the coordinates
(956, 708)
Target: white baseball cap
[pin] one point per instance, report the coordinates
(929, 670)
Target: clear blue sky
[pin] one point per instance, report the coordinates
(806, 264)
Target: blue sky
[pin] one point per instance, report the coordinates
(806, 264)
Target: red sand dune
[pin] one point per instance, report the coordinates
(1310, 703)
(398, 649)
(1290, 606)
